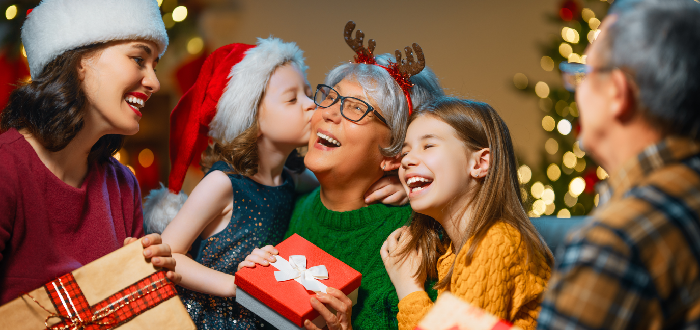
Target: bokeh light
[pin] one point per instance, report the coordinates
(549, 209)
(594, 23)
(548, 196)
(524, 174)
(577, 150)
(551, 146)
(565, 50)
(24, 51)
(168, 20)
(131, 169)
(602, 175)
(195, 45)
(539, 207)
(574, 58)
(160, 2)
(553, 172)
(569, 159)
(564, 127)
(596, 199)
(569, 200)
(580, 165)
(563, 213)
(536, 190)
(548, 123)
(547, 63)
(520, 81)
(11, 12)
(546, 104)
(570, 35)
(179, 13)
(577, 186)
(542, 89)
(573, 109)
(146, 158)
(587, 14)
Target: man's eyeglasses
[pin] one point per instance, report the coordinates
(574, 73)
(352, 109)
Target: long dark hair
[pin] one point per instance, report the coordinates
(497, 196)
(52, 106)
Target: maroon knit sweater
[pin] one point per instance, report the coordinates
(48, 228)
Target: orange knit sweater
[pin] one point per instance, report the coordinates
(498, 280)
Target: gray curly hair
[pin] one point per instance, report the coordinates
(379, 87)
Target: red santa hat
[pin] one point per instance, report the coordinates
(221, 104)
(57, 26)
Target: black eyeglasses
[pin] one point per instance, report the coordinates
(352, 109)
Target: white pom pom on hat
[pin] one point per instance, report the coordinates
(57, 26)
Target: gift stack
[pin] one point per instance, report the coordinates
(281, 293)
(451, 313)
(120, 289)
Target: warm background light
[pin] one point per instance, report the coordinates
(547, 63)
(524, 174)
(520, 81)
(11, 12)
(195, 45)
(146, 158)
(542, 89)
(179, 13)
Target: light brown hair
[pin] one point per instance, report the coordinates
(496, 198)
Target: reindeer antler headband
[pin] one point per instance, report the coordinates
(401, 71)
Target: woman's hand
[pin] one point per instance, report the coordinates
(262, 256)
(336, 299)
(387, 190)
(401, 270)
(159, 254)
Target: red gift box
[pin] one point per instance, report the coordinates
(289, 298)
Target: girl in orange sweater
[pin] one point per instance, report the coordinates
(469, 228)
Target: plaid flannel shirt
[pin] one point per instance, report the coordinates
(636, 262)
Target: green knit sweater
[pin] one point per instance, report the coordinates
(355, 238)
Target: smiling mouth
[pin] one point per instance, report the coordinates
(134, 102)
(417, 183)
(327, 141)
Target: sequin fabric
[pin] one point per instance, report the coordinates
(260, 217)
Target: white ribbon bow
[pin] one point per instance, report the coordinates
(295, 269)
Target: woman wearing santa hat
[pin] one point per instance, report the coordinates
(65, 201)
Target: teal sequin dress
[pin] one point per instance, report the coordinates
(260, 217)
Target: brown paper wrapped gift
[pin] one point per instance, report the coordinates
(452, 313)
(120, 289)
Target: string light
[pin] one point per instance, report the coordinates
(594, 23)
(524, 174)
(592, 35)
(547, 63)
(179, 13)
(548, 196)
(549, 209)
(570, 35)
(564, 213)
(520, 81)
(11, 12)
(580, 165)
(574, 58)
(542, 89)
(539, 207)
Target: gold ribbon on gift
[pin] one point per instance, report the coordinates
(295, 269)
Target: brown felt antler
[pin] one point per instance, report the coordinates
(356, 43)
(409, 66)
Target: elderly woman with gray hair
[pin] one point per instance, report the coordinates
(357, 133)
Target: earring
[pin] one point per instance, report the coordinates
(384, 166)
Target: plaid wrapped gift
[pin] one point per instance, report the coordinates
(451, 313)
(125, 292)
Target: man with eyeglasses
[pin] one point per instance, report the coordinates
(636, 263)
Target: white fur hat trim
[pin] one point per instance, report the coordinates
(160, 208)
(56, 26)
(238, 105)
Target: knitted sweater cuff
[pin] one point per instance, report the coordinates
(412, 308)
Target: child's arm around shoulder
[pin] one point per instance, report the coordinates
(211, 199)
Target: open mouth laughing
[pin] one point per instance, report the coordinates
(136, 101)
(418, 183)
(327, 140)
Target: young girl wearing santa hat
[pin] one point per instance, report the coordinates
(253, 103)
(65, 201)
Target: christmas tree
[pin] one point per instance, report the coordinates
(563, 183)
